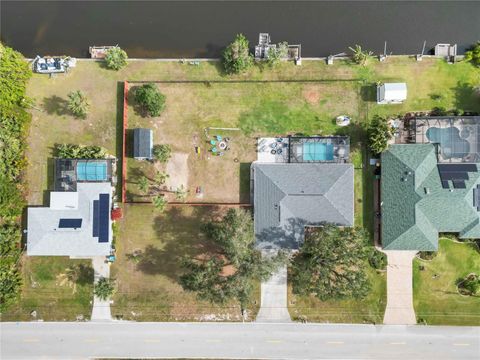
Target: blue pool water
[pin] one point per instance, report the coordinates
(451, 143)
(92, 171)
(316, 151)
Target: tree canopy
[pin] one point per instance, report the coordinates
(236, 57)
(379, 132)
(230, 272)
(78, 103)
(116, 58)
(275, 55)
(74, 151)
(360, 56)
(331, 264)
(162, 152)
(104, 288)
(473, 54)
(150, 99)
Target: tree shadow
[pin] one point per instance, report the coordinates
(55, 105)
(244, 180)
(356, 132)
(368, 92)
(85, 274)
(467, 98)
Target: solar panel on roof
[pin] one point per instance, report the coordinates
(96, 215)
(445, 184)
(104, 218)
(70, 223)
(454, 176)
(459, 184)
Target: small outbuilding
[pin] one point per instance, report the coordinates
(391, 93)
(142, 144)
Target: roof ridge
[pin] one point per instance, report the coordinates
(273, 182)
(330, 201)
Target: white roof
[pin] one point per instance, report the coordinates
(63, 200)
(44, 237)
(395, 91)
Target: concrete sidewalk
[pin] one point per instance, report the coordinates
(399, 309)
(101, 308)
(273, 306)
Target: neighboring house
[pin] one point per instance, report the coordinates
(77, 222)
(391, 93)
(290, 196)
(142, 144)
(429, 188)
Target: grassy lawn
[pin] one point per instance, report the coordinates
(215, 100)
(148, 288)
(368, 310)
(435, 299)
(46, 291)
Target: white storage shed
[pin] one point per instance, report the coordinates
(391, 93)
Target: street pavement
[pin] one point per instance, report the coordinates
(235, 341)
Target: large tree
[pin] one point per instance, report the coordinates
(379, 132)
(331, 264)
(236, 56)
(231, 271)
(150, 99)
(116, 58)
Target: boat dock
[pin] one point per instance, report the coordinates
(99, 52)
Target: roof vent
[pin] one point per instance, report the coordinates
(427, 190)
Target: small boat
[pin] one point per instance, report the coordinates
(99, 52)
(53, 64)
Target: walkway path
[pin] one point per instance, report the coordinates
(101, 308)
(273, 306)
(399, 309)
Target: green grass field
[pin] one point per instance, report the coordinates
(212, 99)
(435, 298)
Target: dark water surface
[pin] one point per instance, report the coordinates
(201, 28)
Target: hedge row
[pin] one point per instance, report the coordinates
(14, 124)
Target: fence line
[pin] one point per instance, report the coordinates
(124, 145)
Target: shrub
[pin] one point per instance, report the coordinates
(150, 99)
(236, 57)
(360, 56)
(473, 54)
(160, 203)
(73, 151)
(162, 152)
(78, 104)
(379, 132)
(104, 288)
(469, 285)
(377, 259)
(427, 255)
(275, 55)
(116, 58)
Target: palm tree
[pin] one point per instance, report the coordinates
(78, 103)
(360, 56)
(143, 184)
(160, 203)
(181, 193)
(104, 288)
(161, 177)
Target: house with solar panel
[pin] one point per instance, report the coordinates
(300, 182)
(77, 222)
(432, 185)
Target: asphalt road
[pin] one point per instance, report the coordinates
(236, 340)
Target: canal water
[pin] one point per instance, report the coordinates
(167, 29)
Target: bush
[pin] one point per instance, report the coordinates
(104, 288)
(73, 151)
(473, 55)
(116, 58)
(427, 255)
(236, 57)
(150, 99)
(78, 104)
(379, 132)
(162, 152)
(377, 260)
(277, 54)
(470, 285)
(360, 56)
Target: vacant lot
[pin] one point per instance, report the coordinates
(435, 295)
(49, 291)
(366, 311)
(151, 248)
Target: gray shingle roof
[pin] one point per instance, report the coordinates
(142, 143)
(287, 197)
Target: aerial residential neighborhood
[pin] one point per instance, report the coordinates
(228, 194)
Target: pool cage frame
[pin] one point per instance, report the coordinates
(66, 177)
(341, 148)
(420, 125)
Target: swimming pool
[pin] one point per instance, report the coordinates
(92, 171)
(317, 151)
(451, 143)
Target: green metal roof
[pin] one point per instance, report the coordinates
(415, 207)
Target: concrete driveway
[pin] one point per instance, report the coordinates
(399, 309)
(273, 306)
(101, 308)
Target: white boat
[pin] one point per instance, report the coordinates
(51, 64)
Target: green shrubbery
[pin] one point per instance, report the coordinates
(73, 151)
(377, 259)
(151, 101)
(473, 54)
(14, 124)
(162, 152)
(236, 57)
(116, 58)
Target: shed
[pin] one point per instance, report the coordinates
(391, 93)
(142, 144)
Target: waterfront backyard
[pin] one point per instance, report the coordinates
(276, 102)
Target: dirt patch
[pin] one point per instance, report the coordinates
(312, 96)
(177, 169)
